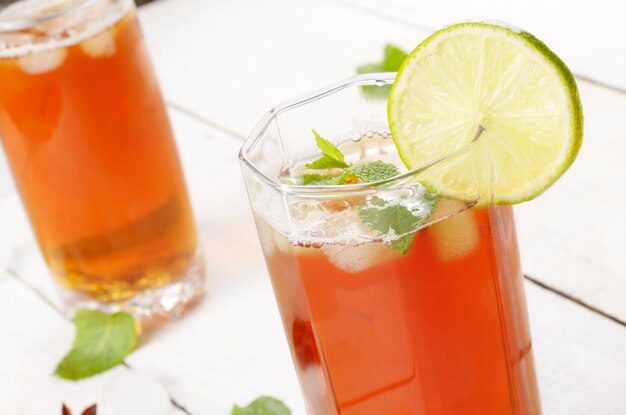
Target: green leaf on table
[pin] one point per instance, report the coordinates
(373, 171)
(264, 405)
(102, 341)
(394, 56)
(373, 91)
(401, 219)
(370, 68)
(331, 156)
(324, 179)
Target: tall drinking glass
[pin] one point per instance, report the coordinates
(89, 143)
(439, 330)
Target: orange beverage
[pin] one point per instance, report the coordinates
(91, 149)
(440, 331)
(385, 313)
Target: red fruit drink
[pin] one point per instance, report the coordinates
(374, 329)
(442, 330)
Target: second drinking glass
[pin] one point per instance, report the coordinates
(92, 152)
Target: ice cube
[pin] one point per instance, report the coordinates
(456, 236)
(132, 392)
(358, 258)
(100, 46)
(42, 62)
(11, 42)
(272, 241)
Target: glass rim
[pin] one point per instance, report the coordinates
(327, 191)
(22, 23)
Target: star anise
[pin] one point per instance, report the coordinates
(89, 411)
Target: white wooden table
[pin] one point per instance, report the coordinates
(222, 64)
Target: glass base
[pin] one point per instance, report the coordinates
(167, 302)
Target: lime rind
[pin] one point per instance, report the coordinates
(543, 56)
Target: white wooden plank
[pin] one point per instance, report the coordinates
(589, 37)
(15, 231)
(580, 357)
(6, 183)
(6, 245)
(34, 338)
(573, 236)
(232, 60)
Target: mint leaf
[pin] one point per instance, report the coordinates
(400, 218)
(402, 245)
(384, 217)
(102, 341)
(264, 405)
(325, 162)
(331, 156)
(370, 68)
(394, 56)
(324, 179)
(328, 148)
(373, 171)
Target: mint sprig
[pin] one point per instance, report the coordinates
(331, 156)
(265, 405)
(385, 217)
(400, 217)
(324, 179)
(393, 58)
(333, 159)
(102, 341)
(373, 171)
